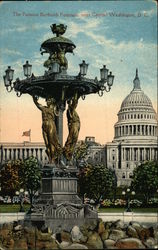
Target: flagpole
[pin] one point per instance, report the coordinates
(30, 135)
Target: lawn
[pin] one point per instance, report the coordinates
(14, 208)
(136, 210)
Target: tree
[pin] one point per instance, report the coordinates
(9, 178)
(31, 176)
(80, 154)
(96, 181)
(145, 179)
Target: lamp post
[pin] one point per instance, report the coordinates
(21, 193)
(27, 69)
(127, 194)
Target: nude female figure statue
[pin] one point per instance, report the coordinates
(73, 126)
(49, 112)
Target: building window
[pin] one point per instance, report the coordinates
(27, 152)
(14, 156)
(113, 158)
(123, 176)
(130, 175)
(18, 153)
(127, 166)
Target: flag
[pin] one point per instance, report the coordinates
(27, 133)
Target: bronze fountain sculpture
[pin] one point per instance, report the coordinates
(58, 198)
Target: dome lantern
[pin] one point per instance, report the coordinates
(136, 81)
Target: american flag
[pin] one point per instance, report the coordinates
(27, 133)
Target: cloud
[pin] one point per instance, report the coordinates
(10, 52)
(23, 28)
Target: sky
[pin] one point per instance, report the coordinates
(119, 34)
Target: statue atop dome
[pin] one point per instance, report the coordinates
(58, 29)
(136, 81)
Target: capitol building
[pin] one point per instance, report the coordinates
(136, 133)
(135, 139)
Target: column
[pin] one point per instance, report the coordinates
(34, 152)
(38, 154)
(121, 154)
(136, 129)
(138, 154)
(127, 127)
(16, 154)
(20, 153)
(148, 129)
(150, 156)
(140, 129)
(152, 130)
(131, 154)
(25, 153)
(29, 152)
(43, 155)
(121, 130)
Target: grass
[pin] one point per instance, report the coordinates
(12, 208)
(136, 210)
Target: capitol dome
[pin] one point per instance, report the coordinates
(136, 98)
(137, 117)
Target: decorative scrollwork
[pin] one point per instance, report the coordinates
(100, 93)
(18, 94)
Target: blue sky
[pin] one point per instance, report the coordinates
(123, 43)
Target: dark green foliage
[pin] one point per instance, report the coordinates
(31, 174)
(145, 179)
(18, 174)
(80, 153)
(96, 181)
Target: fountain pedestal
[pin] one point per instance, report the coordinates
(58, 205)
